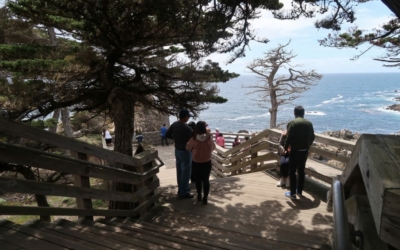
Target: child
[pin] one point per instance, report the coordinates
(107, 137)
(201, 145)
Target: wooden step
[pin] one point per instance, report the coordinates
(26, 238)
(193, 237)
(169, 235)
(74, 234)
(137, 239)
(8, 246)
(55, 239)
(240, 233)
(148, 240)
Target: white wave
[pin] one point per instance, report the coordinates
(335, 99)
(370, 111)
(315, 113)
(263, 115)
(239, 118)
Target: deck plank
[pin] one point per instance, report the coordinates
(250, 209)
(25, 241)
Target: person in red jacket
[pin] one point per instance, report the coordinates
(221, 140)
(201, 145)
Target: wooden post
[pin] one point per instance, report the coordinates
(82, 181)
(143, 181)
(254, 156)
(234, 164)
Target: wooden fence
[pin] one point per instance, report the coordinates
(144, 179)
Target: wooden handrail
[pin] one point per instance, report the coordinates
(45, 188)
(36, 134)
(37, 158)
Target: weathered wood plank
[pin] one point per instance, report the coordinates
(118, 235)
(324, 139)
(24, 241)
(140, 238)
(167, 234)
(359, 215)
(84, 182)
(19, 210)
(36, 134)
(248, 143)
(60, 241)
(329, 154)
(380, 167)
(13, 185)
(390, 217)
(261, 158)
(8, 246)
(89, 240)
(248, 152)
(37, 158)
(336, 142)
(322, 177)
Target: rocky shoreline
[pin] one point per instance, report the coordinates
(395, 107)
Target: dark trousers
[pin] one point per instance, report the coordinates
(297, 161)
(202, 174)
(163, 138)
(284, 166)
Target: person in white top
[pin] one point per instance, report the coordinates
(107, 137)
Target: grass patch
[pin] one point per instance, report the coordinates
(100, 204)
(93, 139)
(21, 219)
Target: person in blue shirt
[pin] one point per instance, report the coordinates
(163, 138)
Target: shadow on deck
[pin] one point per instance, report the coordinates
(251, 211)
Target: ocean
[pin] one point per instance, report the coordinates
(356, 102)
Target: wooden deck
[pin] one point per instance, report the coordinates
(244, 212)
(247, 210)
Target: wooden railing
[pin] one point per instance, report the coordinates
(143, 178)
(260, 152)
(372, 190)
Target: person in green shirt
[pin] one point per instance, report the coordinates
(300, 136)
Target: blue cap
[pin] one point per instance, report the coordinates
(184, 113)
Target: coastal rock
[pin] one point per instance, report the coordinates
(344, 134)
(395, 107)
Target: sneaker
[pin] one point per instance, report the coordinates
(281, 183)
(293, 197)
(300, 194)
(288, 183)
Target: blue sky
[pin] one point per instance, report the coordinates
(304, 43)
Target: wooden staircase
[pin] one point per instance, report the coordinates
(245, 212)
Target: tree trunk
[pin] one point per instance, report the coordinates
(273, 114)
(41, 200)
(273, 111)
(56, 115)
(122, 111)
(66, 121)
